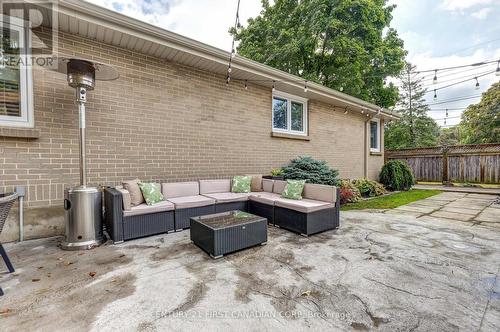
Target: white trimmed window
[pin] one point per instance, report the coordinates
(16, 100)
(289, 114)
(375, 135)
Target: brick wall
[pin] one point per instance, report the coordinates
(162, 121)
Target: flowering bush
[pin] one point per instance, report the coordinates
(369, 188)
(348, 192)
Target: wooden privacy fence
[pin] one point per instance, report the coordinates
(478, 163)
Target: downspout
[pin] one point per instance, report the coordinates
(365, 159)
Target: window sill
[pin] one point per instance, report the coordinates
(11, 132)
(290, 136)
(375, 153)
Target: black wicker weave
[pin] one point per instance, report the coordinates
(236, 233)
(6, 202)
(308, 223)
(231, 206)
(121, 228)
(182, 215)
(263, 210)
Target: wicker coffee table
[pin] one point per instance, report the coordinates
(221, 233)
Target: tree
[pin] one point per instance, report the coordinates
(481, 122)
(449, 136)
(343, 44)
(416, 128)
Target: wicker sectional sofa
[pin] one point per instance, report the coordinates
(318, 210)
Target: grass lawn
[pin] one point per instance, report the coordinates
(391, 201)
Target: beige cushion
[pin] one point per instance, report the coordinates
(125, 198)
(302, 205)
(178, 189)
(264, 197)
(279, 186)
(320, 192)
(256, 184)
(267, 185)
(228, 197)
(146, 209)
(215, 186)
(185, 202)
(132, 186)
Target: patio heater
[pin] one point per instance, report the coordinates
(83, 204)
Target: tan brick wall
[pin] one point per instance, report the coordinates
(162, 121)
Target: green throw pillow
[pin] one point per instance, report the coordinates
(241, 184)
(151, 192)
(293, 189)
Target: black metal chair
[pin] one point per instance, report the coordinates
(6, 202)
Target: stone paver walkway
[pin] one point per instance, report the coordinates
(470, 208)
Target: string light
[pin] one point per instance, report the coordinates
(346, 111)
(246, 84)
(435, 95)
(435, 79)
(446, 112)
(477, 83)
(274, 87)
(497, 72)
(305, 86)
(362, 111)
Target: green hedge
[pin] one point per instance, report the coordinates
(396, 175)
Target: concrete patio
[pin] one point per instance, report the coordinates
(433, 265)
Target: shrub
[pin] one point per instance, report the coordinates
(277, 172)
(348, 192)
(311, 170)
(369, 188)
(396, 175)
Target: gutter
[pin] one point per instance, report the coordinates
(365, 150)
(128, 25)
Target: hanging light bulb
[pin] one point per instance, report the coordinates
(477, 83)
(346, 111)
(233, 52)
(246, 84)
(228, 79)
(446, 112)
(435, 79)
(362, 111)
(445, 122)
(274, 87)
(305, 86)
(497, 72)
(435, 95)
(229, 69)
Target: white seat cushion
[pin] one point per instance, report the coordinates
(228, 197)
(191, 201)
(302, 205)
(146, 209)
(264, 197)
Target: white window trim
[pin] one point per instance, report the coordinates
(290, 98)
(377, 149)
(26, 120)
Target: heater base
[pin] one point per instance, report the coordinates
(81, 245)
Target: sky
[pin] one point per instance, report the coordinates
(436, 34)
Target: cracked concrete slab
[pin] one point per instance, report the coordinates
(379, 271)
(489, 214)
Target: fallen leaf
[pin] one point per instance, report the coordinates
(35, 279)
(92, 274)
(68, 263)
(40, 267)
(4, 311)
(114, 280)
(306, 293)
